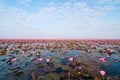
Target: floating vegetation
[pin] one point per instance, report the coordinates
(58, 60)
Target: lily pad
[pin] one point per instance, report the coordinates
(96, 78)
(41, 77)
(56, 60)
(57, 65)
(65, 67)
(52, 76)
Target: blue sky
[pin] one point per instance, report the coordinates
(60, 19)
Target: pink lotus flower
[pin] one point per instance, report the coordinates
(47, 60)
(26, 45)
(79, 68)
(102, 59)
(8, 49)
(38, 54)
(102, 72)
(23, 52)
(14, 59)
(71, 59)
(111, 51)
(40, 59)
(89, 50)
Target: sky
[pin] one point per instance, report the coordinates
(76, 19)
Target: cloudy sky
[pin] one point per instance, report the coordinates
(60, 19)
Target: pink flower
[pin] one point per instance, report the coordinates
(47, 60)
(8, 49)
(102, 72)
(102, 59)
(111, 51)
(71, 59)
(23, 52)
(40, 59)
(14, 59)
(79, 68)
(89, 50)
(38, 54)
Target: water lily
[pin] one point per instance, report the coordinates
(79, 68)
(110, 52)
(71, 59)
(102, 59)
(40, 59)
(47, 60)
(33, 52)
(38, 54)
(102, 72)
(14, 59)
(8, 49)
(23, 52)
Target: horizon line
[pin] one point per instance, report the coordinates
(58, 39)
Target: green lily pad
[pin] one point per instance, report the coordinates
(56, 60)
(57, 65)
(66, 67)
(52, 76)
(41, 77)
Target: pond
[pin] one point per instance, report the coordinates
(28, 61)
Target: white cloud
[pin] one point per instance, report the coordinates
(78, 17)
(80, 5)
(66, 11)
(24, 2)
(107, 2)
(106, 8)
